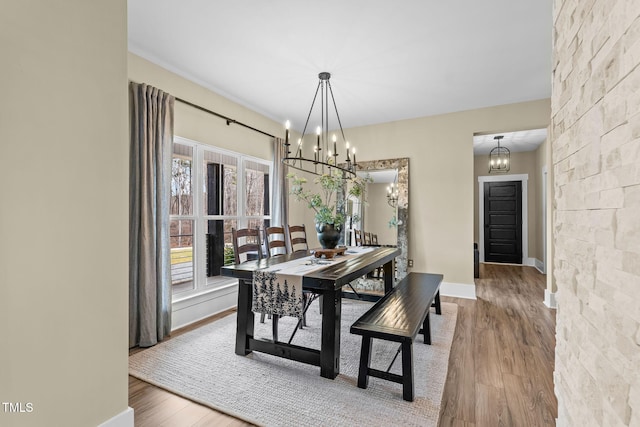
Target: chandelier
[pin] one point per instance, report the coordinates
(392, 195)
(325, 155)
(499, 157)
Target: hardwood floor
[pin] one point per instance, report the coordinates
(500, 368)
(502, 356)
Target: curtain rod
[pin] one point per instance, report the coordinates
(228, 119)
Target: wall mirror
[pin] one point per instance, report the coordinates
(388, 220)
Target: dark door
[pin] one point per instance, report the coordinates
(503, 222)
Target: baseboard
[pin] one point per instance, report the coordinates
(529, 262)
(550, 299)
(458, 290)
(123, 419)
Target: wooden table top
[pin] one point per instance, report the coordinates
(337, 275)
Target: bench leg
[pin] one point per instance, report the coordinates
(365, 360)
(436, 303)
(407, 371)
(426, 330)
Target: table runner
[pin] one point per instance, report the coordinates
(278, 290)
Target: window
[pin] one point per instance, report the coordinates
(212, 191)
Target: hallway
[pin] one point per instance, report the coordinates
(502, 357)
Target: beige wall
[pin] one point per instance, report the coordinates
(529, 163)
(64, 211)
(596, 157)
(441, 194)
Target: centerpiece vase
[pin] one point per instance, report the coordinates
(328, 235)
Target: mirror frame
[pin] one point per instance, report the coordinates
(402, 166)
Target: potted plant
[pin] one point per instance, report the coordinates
(329, 217)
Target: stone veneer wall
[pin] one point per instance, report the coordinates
(595, 136)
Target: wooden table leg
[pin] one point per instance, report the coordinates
(389, 275)
(330, 344)
(245, 318)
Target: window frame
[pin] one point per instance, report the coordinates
(202, 283)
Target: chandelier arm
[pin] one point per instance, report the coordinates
(310, 110)
(324, 117)
(344, 138)
(293, 162)
(304, 130)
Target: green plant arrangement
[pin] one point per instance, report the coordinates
(329, 219)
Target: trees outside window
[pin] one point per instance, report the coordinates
(212, 191)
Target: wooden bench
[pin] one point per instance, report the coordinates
(399, 316)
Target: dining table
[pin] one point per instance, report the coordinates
(328, 282)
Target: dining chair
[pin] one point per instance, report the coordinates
(357, 234)
(298, 238)
(276, 241)
(298, 243)
(247, 242)
(374, 239)
(367, 238)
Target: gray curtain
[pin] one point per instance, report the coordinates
(151, 113)
(280, 191)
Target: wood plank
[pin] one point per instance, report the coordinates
(527, 401)
(492, 408)
(487, 358)
(458, 399)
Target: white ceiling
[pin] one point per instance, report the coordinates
(389, 60)
(526, 140)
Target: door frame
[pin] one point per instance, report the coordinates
(523, 178)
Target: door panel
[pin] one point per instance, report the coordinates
(502, 205)
(502, 234)
(503, 221)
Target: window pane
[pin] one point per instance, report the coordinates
(257, 223)
(257, 188)
(181, 238)
(181, 180)
(220, 184)
(219, 245)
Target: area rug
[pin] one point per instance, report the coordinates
(265, 390)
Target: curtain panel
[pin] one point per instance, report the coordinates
(151, 114)
(280, 191)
